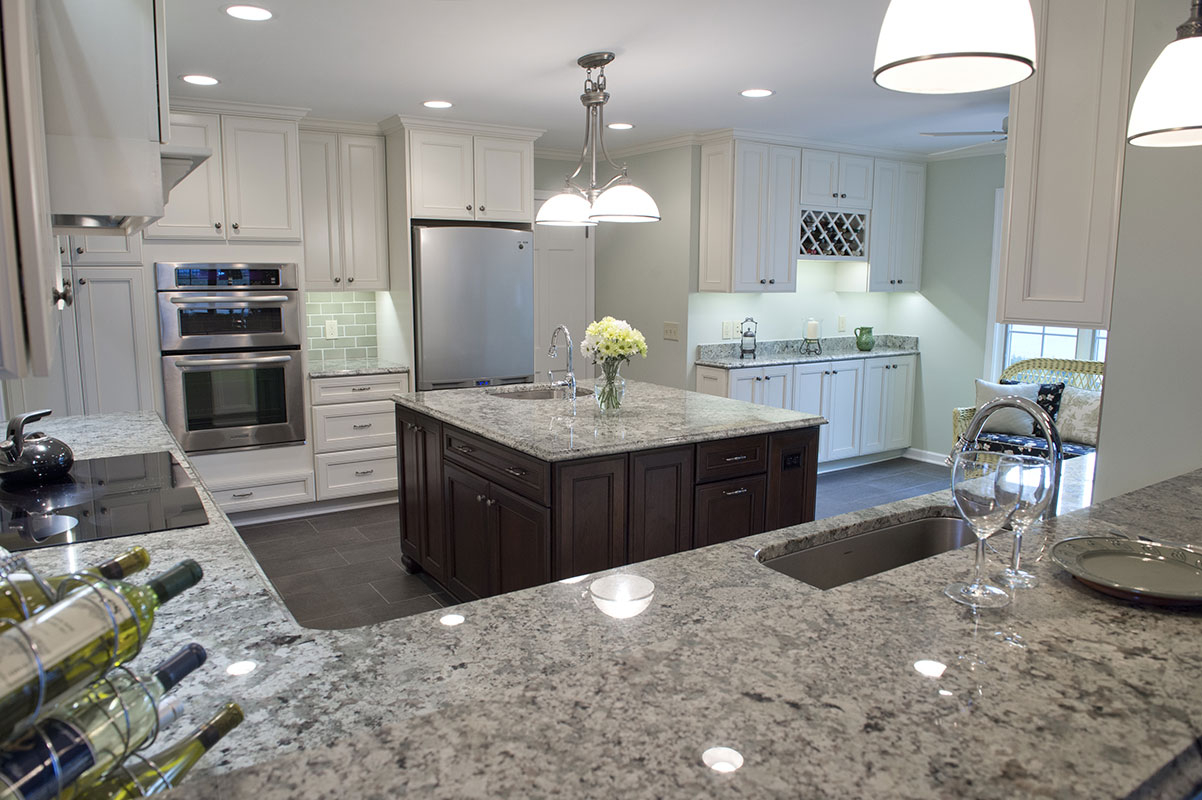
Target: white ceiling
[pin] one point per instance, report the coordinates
(680, 66)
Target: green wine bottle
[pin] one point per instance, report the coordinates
(93, 628)
(166, 768)
(88, 738)
(22, 595)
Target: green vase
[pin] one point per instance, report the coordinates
(864, 338)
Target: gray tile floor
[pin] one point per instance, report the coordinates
(342, 570)
(876, 484)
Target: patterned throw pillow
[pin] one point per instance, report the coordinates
(1080, 413)
(1048, 399)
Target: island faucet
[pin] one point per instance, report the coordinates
(1042, 418)
(569, 380)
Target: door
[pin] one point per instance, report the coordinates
(777, 387)
(882, 224)
(783, 211)
(745, 384)
(661, 503)
(855, 182)
(504, 177)
(809, 387)
(874, 419)
(364, 212)
(321, 219)
(262, 179)
(521, 532)
(107, 250)
(441, 178)
(563, 292)
(196, 207)
(61, 390)
(471, 565)
(900, 417)
(410, 474)
(819, 178)
(590, 516)
(433, 528)
(843, 408)
(750, 216)
(729, 510)
(113, 335)
(910, 217)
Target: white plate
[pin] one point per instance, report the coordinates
(1145, 571)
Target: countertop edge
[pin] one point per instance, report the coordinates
(735, 363)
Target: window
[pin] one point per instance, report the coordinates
(1036, 341)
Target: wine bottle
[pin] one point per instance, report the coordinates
(166, 768)
(90, 737)
(93, 628)
(22, 595)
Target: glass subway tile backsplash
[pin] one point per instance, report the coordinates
(355, 314)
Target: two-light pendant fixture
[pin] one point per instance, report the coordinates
(613, 200)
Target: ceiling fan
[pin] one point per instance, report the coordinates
(1000, 134)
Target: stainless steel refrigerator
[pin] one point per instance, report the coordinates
(473, 306)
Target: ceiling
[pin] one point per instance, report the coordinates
(680, 66)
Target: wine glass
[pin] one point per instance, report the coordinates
(985, 505)
(1029, 478)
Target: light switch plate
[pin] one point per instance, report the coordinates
(331, 329)
(672, 331)
(842, 323)
(728, 331)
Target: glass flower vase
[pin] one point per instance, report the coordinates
(610, 390)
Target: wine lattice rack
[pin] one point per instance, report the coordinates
(834, 235)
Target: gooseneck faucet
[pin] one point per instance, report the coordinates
(1042, 418)
(569, 380)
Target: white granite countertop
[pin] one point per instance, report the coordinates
(798, 358)
(556, 430)
(725, 355)
(539, 694)
(334, 368)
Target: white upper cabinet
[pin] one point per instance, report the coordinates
(321, 200)
(441, 178)
(895, 229)
(836, 180)
(1064, 167)
(504, 179)
(750, 229)
(249, 189)
(105, 249)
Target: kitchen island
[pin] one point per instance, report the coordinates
(507, 488)
(540, 694)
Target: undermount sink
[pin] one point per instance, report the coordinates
(873, 552)
(541, 394)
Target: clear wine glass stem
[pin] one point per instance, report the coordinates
(976, 570)
(1018, 545)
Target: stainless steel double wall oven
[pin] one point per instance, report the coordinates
(231, 337)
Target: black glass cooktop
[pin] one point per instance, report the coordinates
(100, 499)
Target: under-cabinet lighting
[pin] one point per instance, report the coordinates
(722, 759)
(200, 80)
(438, 104)
(249, 13)
(757, 92)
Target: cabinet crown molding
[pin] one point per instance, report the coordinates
(786, 140)
(206, 106)
(323, 125)
(398, 122)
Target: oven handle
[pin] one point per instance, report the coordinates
(185, 363)
(267, 298)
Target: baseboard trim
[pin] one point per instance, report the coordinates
(858, 461)
(282, 513)
(926, 456)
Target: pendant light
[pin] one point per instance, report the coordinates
(1168, 109)
(951, 46)
(615, 200)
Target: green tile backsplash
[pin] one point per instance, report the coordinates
(355, 313)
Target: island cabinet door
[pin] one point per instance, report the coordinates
(661, 503)
(409, 483)
(729, 510)
(433, 529)
(590, 516)
(792, 478)
(471, 567)
(521, 541)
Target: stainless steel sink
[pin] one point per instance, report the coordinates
(541, 394)
(836, 563)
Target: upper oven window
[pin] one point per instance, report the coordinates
(225, 276)
(202, 321)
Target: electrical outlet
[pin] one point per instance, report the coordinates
(842, 323)
(727, 331)
(672, 331)
(331, 329)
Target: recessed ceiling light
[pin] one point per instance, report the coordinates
(200, 80)
(437, 104)
(620, 126)
(249, 13)
(757, 92)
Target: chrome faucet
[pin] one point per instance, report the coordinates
(569, 380)
(1042, 418)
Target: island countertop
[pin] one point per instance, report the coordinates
(539, 694)
(651, 416)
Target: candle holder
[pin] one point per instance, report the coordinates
(811, 347)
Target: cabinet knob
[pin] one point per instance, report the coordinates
(338, 280)
(763, 280)
(826, 372)
(490, 502)
(842, 195)
(834, 194)
(899, 280)
(235, 226)
(468, 206)
(892, 281)
(481, 208)
(759, 379)
(835, 372)
(61, 249)
(83, 281)
(79, 250)
(62, 295)
(772, 280)
(217, 226)
(351, 279)
(479, 498)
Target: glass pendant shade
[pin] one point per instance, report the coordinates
(952, 46)
(624, 202)
(1168, 107)
(566, 209)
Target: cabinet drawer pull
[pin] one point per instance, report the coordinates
(243, 494)
(517, 472)
(736, 491)
(364, 471)
(360, 388)
(463, 448)
(735, 458)
(361, 427)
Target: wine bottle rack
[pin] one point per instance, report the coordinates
(834, 235)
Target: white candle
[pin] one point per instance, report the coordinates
(812, 329)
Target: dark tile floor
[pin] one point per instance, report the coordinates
(342, 570)
(876, 484)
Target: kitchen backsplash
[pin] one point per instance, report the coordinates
(355, 313)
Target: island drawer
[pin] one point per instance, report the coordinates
(515, 471)
(351, 426)
(732, 458)
(358, 388)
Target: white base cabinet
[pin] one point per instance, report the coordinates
(768, 386)
(833, 389)
(354, 434)
(887, 418)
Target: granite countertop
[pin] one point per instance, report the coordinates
(789, 351)
(557, 430)
(334, 368)
(539, 694)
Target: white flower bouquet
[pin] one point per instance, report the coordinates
(611, 343)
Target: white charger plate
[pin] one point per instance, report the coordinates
(1149, 572)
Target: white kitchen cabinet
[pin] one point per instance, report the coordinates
(504, 179)
(196, 209)
(895, 229)
(356, 472)
(1060, 230)
(768, 386)
(750, 229)
(345, 211)
(836, 180)
(354, 426)
(95, 250)
(888, 407)
(836, 388)
(354, 434)
(459, 175)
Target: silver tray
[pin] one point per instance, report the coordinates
(1159, 574)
